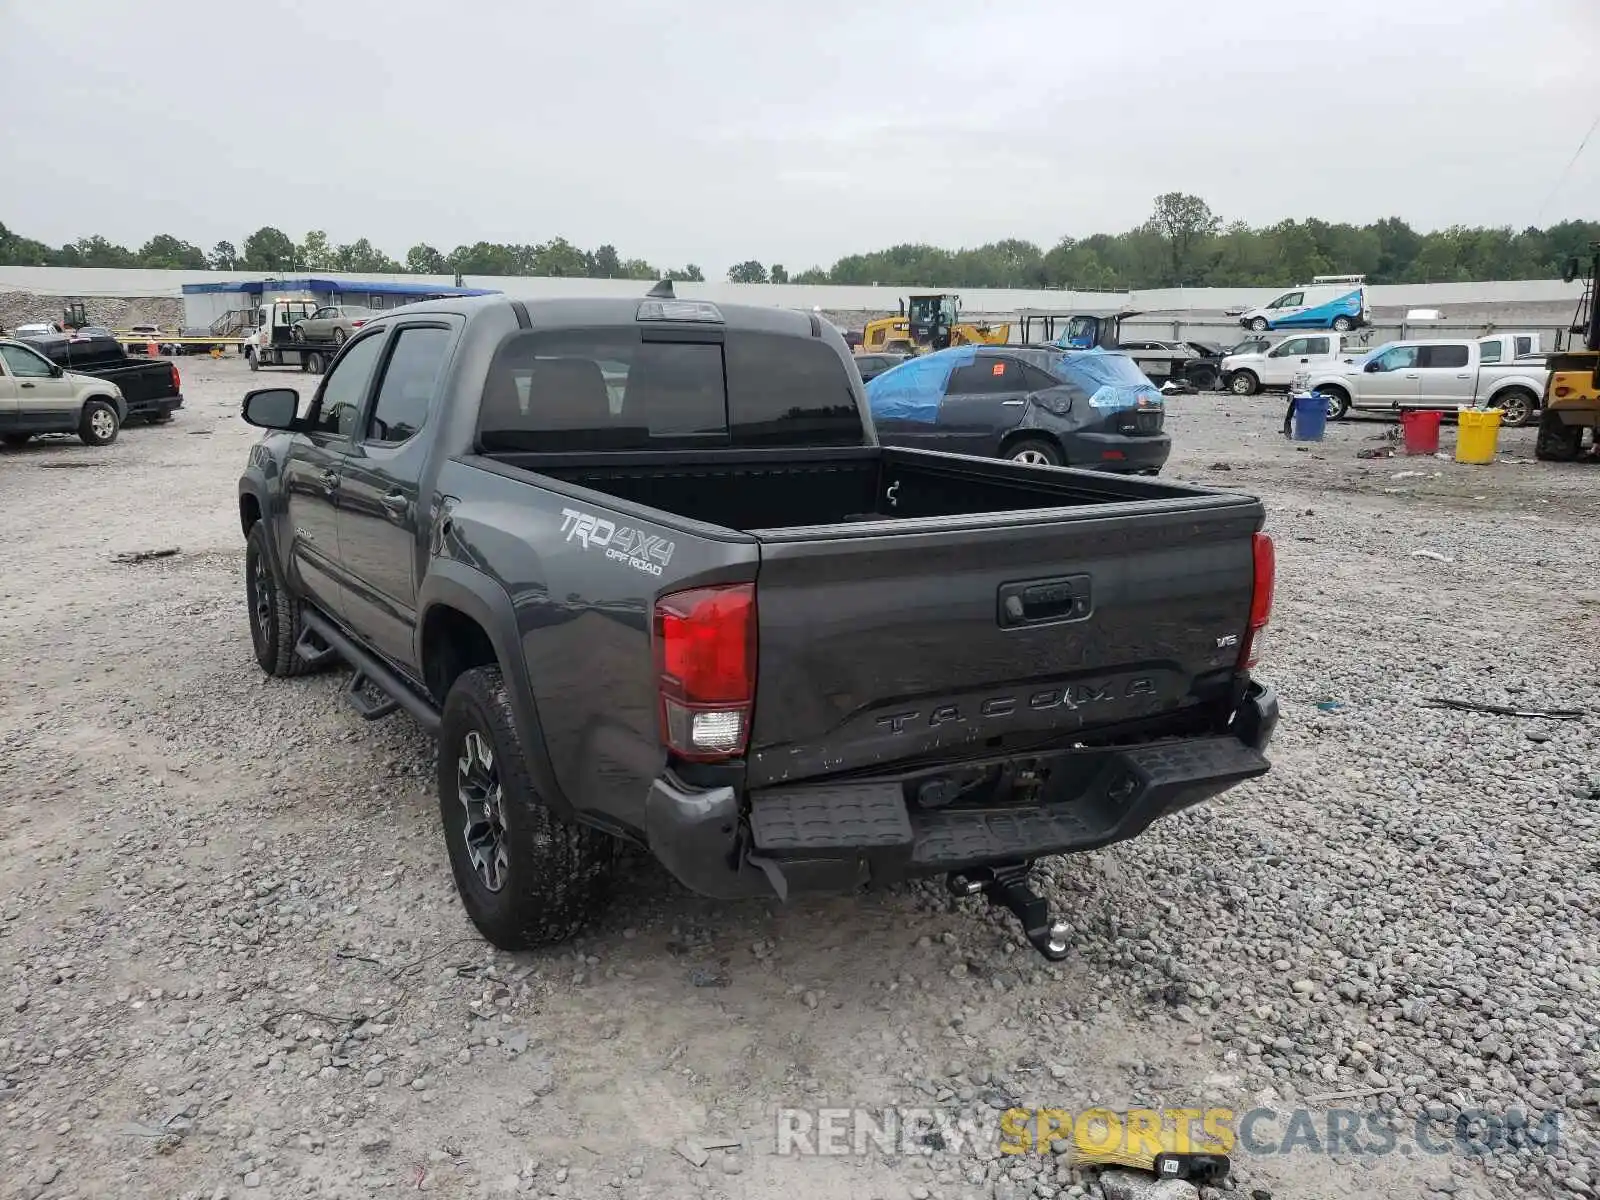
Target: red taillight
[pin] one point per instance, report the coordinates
(177, 380)
(1266, 578)
(705, 646)
(1113, 455)
(357, 324)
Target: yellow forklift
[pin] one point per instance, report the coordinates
(931, 321)
(1572, 392)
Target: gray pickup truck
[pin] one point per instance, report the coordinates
(644, 570)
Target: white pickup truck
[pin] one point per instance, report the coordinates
(1438, 373)
(1273, 369)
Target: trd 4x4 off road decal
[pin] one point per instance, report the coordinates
(647, 552)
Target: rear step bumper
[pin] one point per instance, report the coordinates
(836, 837)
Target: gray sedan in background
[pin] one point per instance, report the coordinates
(332, 324)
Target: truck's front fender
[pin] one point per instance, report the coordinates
(455, 585)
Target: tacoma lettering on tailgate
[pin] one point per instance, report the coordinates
(647, 552)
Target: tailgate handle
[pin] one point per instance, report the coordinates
(1044, 601)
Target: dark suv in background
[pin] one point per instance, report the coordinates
(1029, 404)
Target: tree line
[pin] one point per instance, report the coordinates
(1183, 243)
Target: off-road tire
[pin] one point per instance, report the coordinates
(1244, 383)
(1557, 442)
(557, 874)
(275, 625)
(98, 425)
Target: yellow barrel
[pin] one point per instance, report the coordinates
(1478, 435)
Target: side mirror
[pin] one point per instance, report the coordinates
(271, 408)
(57, 370)
(1372, 368)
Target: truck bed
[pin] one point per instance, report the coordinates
(777, 490)
(918, 606)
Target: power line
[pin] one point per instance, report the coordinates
(1538, 219)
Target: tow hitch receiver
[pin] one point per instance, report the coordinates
(1008, 886)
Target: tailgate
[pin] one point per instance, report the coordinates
(891, 641)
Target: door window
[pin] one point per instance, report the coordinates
(1036, 380)
(24, 363)
(1290, 300)
(1316, 345)
(1524, 346)
(1398, 359)
(985, 377)
(1288, 349)
(1443, 356)
(345, 387)
(409, 383)
(1489, 352)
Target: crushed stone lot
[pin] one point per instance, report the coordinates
(232, 962)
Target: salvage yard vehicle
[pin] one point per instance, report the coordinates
(1337, 302)
(1029, 404)
(39, 396)
(274, 344)
(1571, 400)
(930, 322)
(1271, 369)
(334, 323)
(1431, 374)
(873, 365)
(708, 614)
(151, 391)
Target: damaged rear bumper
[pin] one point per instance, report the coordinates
(839, 836)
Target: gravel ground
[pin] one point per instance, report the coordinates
(232, 962)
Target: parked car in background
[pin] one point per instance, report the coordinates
(1273, 367)
(151, 390)
(1030, 404)
(39, 396)
(873, 365)
(333, 323)
(1319, 304)
(1434, 374)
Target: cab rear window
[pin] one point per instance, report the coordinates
(553, 391)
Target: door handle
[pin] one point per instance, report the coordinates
(1463, 376)
(396, 503)
(1412, 375)
(29, 385)
(330, 480)
(1013, 402)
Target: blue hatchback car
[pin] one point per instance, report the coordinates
(1030, 404)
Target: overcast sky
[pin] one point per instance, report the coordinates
(710, 131)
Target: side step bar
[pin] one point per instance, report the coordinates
(368, 669)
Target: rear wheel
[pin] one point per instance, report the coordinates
(525, 877)
(1516, 407)
(1558, 442)
(1035, 452)
(99, 423)
(250, 357)
(298, 334)
(1343, 324)
(1244, 383)
(338, 337)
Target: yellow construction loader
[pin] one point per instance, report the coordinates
(931, 321)
(1571, 401)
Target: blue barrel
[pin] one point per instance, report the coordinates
(1310, 417)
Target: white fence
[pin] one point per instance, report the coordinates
(92, 281)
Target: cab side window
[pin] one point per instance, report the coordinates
(345, 387)
(409, 383)
(25, 364)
